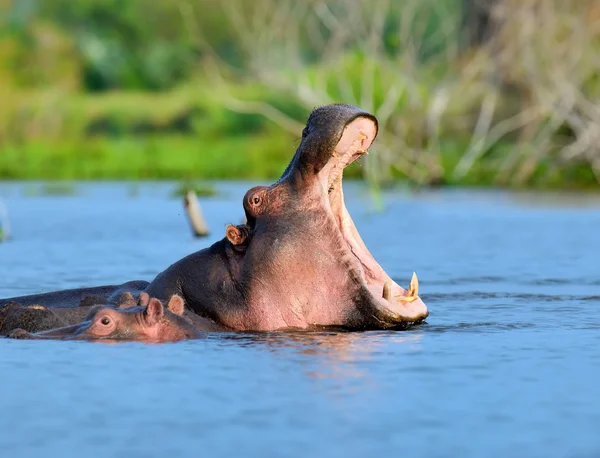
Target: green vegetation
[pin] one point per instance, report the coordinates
(176, 135)
(209, 89)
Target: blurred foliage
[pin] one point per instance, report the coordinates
(201, 189)
(190, 89)
(102, 44)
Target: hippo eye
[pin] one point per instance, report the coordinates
(105, 321)
(256, 200)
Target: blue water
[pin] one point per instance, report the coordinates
(507, 365)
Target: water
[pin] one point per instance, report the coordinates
(508, 364)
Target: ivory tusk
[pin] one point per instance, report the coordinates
(387, 290)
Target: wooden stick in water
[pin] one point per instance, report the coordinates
(194, 212)
(4, 224)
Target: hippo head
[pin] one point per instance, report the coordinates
(299, 261)
(151, 322)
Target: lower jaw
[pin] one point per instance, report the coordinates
(394, 306)
(400, 305)
(395, 309)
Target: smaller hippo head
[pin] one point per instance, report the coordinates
(138, 323)
(153, 322)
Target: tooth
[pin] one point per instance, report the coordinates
(413, 289)
(363, 151)
(335, 154)
(361, 136)
(403, 298)
(387, 290)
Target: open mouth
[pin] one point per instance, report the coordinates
(398, 305)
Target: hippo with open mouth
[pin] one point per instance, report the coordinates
(299, 261)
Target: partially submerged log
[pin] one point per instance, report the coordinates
(4, 224)
(194, 212)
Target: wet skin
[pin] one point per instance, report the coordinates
(144, 323)
(299, 261)
(37, 317)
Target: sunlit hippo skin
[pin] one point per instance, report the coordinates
(37, 317)
(108, 294)
(146, 323)
(299, 261)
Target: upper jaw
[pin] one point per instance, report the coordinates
(356, 138)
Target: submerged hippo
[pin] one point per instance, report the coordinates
(299, 261)
(33, 318)
(37, 317)
(149, 323)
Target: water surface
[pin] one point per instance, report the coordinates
(507, 364)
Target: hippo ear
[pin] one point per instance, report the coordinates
(176, 304)
(144, 299)
(154, 311)
(237, 235)
(10, 305)
(234, 235)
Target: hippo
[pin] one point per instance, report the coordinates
(33, 317)
(147, 323)
(298, 262)
(37, 317)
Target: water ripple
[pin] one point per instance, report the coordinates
(478, 327)
(533, 297)
(515, 280)
(507, 363)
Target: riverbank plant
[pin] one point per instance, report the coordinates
(90, 90)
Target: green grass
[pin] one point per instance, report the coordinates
(152, 157)
(183, 134)
(192, 159)
(187, 135)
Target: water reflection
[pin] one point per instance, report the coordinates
(480, 327)
(329, 354)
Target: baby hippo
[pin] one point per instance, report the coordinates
(149, 323)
